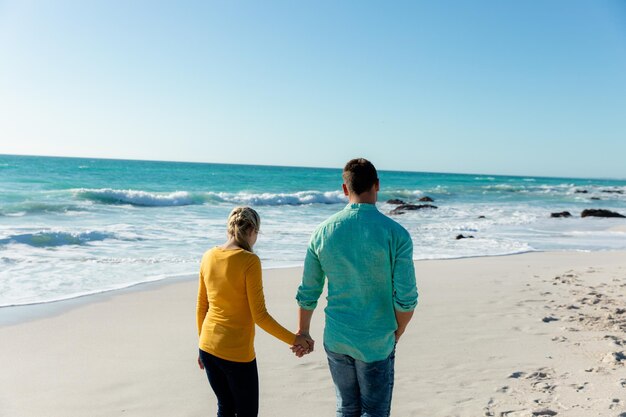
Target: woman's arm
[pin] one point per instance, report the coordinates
(202, 305)
(256, 301)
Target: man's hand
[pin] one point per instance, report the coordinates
(200, 364)
(304, 345)
(403, 319)
(399, 333)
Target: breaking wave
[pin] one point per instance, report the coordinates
(52, 239)
(185, 198)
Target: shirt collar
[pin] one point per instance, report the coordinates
(361, 206)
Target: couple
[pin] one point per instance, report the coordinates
(368, 261)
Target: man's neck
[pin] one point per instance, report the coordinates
(363, 198)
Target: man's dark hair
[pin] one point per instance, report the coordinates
(359, 175)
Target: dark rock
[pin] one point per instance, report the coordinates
(613, 191)
(410, 207)
(426, 199)
(581, 191)
(481, 217)
(548, 319)
(600, 213)
(561, 214)
(464, 237)
(395, 201)
(595, 198)
(517, 374)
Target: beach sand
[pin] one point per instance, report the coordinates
(527, 335)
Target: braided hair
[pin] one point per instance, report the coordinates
(241, 221)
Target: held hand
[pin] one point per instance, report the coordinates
(200, 364)
(303, 345)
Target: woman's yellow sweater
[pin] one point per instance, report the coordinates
(230, 302)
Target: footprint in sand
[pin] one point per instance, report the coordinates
(580, 387)
(615, 402)
(541, 380)
(544, 412)
(614, 340)
(615, 358)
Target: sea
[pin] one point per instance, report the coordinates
(71, 227)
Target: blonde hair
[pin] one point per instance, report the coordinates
(241, 221)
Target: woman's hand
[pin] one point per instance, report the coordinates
(200, 364)
(303, 345)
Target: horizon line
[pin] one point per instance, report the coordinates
(309, 167)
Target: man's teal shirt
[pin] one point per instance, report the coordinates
(368, 261)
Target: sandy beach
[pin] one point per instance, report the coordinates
(537, 334)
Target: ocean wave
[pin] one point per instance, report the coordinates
(185, 198)
(27, 208)
(136, 197)
(505, 187)
(52, 239)
(285, 199)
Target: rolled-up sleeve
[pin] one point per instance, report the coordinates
(313, 277)
(403, 278)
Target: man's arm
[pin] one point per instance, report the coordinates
(403, 318)
(308, 293)
(304, 321)
(313, 279)
(304, 326)
(404, 287)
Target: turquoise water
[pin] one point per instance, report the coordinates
(74, 226)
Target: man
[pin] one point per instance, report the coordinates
(368, 261)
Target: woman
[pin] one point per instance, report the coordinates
(230, 302)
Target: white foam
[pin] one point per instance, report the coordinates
(135, 197)
(281, 199)
(56, 238)
(185, 198)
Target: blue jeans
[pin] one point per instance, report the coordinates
(363, 388)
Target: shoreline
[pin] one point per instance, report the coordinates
(41, 309)
(19, 313)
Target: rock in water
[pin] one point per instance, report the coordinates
(600, 213)
(408, 207)
(561, 214)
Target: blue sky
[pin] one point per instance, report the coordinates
(499, 87)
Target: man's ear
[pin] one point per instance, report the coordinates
(345, 189)
(377, 185)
